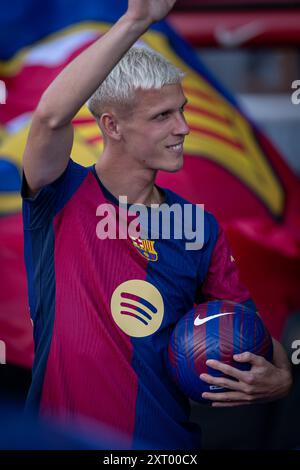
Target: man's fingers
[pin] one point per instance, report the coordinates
(233, 397)
(226, 396)
(249, 357)
(258, 399)
(222, 382)
(217, 404)
(226, 369)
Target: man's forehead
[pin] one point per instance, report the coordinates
(169, 95)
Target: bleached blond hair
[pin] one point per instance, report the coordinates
(140, 68)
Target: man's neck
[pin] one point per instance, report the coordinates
(137, 184)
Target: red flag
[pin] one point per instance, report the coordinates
(229, 166)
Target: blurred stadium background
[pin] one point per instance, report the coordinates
(249, 57)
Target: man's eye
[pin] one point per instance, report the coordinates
(163, 115)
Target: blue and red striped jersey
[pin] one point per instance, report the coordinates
(103, 311)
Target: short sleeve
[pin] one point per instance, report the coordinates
(40, 209)
(222, 280)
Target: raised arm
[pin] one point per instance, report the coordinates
(50, 138)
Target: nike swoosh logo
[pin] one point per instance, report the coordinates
(200, 321)
(240, 35)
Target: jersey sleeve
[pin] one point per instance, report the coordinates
(222, 279)
(40, 209)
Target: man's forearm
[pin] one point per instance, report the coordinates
(80, 79)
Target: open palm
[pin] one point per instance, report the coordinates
(150, 10)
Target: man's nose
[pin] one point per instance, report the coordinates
(181, 127)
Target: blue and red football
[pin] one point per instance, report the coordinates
(214, 330)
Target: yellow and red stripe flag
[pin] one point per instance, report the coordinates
(230, 166)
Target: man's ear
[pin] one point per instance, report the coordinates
(109, 124)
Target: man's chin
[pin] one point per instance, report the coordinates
(172, 168)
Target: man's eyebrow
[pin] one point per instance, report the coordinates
(165, 110)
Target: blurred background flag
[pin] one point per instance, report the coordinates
(230, 165)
